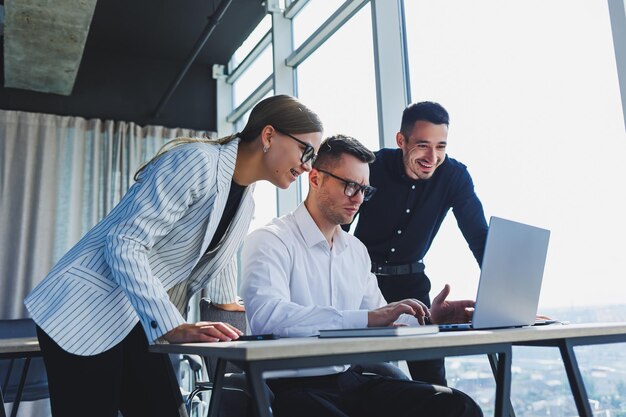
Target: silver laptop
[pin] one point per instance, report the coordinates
(510, 277)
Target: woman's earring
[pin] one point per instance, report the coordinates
(265, 148)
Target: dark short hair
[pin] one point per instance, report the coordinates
(333, 147)
(427, 111)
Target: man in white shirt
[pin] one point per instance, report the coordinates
(303, 273)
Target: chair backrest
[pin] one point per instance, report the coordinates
(208, 312)
(36, 386)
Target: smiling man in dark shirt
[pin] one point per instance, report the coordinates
(417, 185)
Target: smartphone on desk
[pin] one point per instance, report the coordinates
(249, 337)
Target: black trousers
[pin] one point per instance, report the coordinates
(125, 378)
(399, 287)
(350, 394)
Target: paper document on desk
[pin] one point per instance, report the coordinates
(380, 331)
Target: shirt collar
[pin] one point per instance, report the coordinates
(312, 235)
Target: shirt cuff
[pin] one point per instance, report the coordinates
(354, 318)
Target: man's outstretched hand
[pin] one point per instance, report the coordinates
(443, 311)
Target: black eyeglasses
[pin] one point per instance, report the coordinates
(309, 152)
(351, 187)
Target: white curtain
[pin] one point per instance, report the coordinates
(58, 177)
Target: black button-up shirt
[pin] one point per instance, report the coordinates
(399, 223)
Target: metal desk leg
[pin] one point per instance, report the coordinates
(493, 361)
(20, 388)
(575, 378)
(218, 384)
(258, 390)
(503, 383)
(5, 385)
(2, 413)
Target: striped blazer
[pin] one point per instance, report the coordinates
(147, 257)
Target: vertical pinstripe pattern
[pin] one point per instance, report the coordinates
(145, 259)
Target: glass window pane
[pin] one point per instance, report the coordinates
(248, 45)
(312, 15)
(265, 203)
(265, 206)
(536, 115)
(340, 87)
(254, 75)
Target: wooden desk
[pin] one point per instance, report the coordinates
(292, 353)
(27, 348)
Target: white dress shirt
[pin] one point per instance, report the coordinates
(295, 284)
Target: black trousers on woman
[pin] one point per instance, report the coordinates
(125, 378)
(399, 287)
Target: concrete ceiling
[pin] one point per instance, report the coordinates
(44, 43)
(45, 40)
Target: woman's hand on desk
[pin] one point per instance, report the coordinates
(203, 331)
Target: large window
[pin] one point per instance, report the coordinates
(260, 67)
(254, 76)
(257, 69)
(532, 90)
(536, 115)
(265, 204)
(337, 82)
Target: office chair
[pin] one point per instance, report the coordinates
(13, 370)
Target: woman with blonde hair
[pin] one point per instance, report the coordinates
(126, 283)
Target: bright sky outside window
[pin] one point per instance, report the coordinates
(311, 17)
(252, 78)
(535, 113)
(265, 207)
(337, 81)
(257, 34)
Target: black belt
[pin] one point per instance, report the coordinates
(402, 269)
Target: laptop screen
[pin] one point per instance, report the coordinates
(511, 275)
